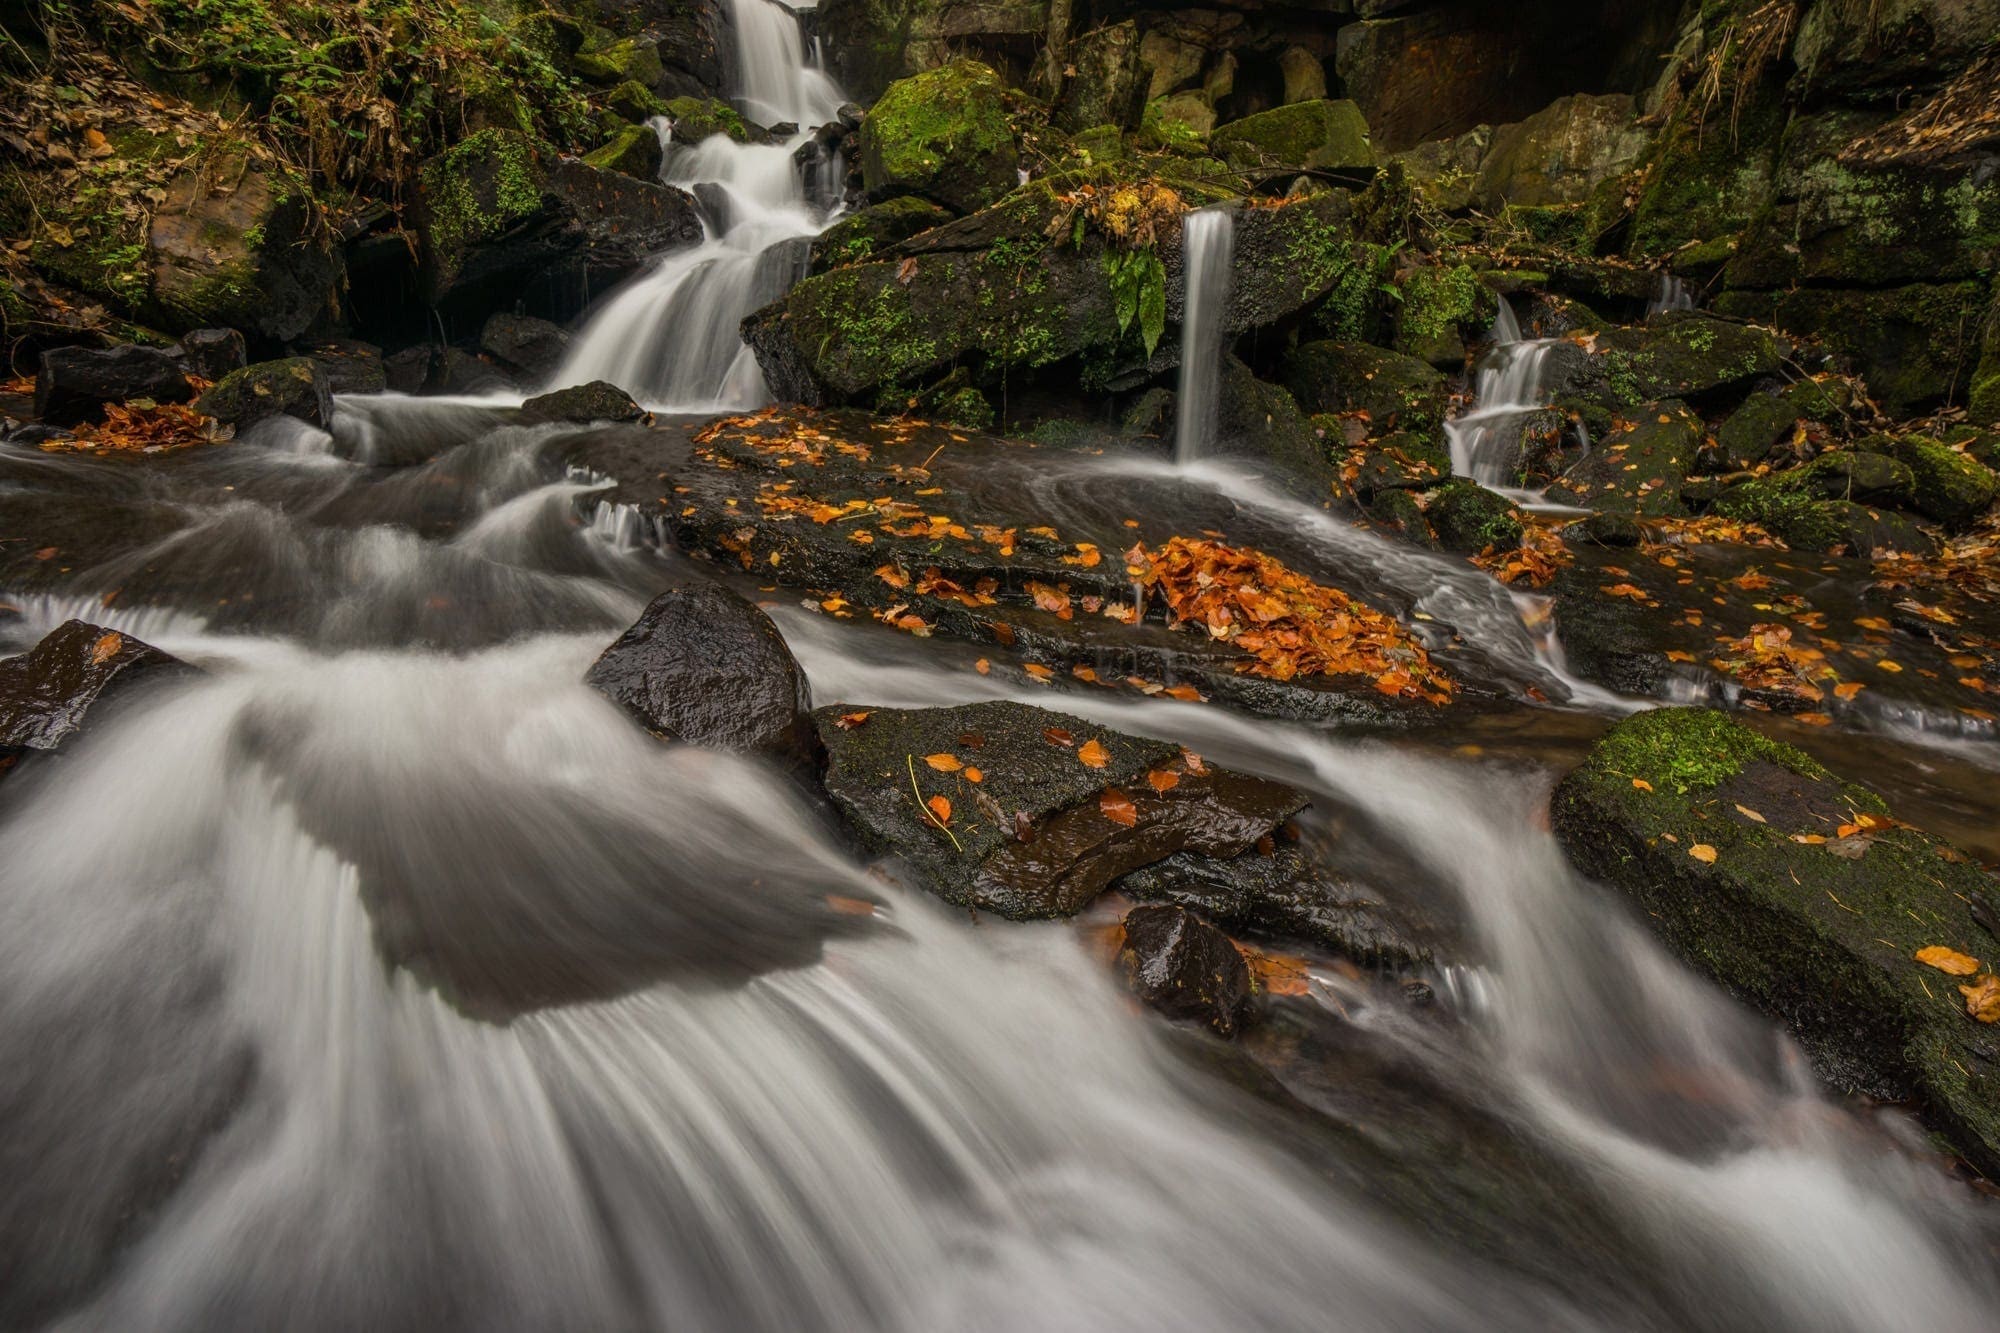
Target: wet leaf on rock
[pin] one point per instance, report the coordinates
(1117, 807)
(1093, 755)
(1946, 960)
(849, 721)
(940, 809)
(944, 763)
(1982, 998)
(1703, 853)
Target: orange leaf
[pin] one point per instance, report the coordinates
(849, 721)
(1703, 853)
(1193, 761)
(1642, 784)
(106, 648)
(1185, 693)
(940, 809)
(1058, 736)
(982, 666)
(974, 775)
(1947, 960)
(1163, 779)
(1982, 998)
(850, 906)
(1038, 671)
(944, 763)
(1093, 755)
(1117, 807)
(1850, 689)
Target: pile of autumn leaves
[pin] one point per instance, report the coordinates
(1289, 625)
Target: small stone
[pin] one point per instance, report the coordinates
(1185, 968)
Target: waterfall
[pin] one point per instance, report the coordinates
(669, 336)
(1208, 239)
(1485, 440)
(1669, 293)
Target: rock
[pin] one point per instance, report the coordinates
(1684, 354)
(1179, 121)
(1185, 968)
(1262, 422)
(294, 387)
(212, 353)
(68, 680)
(1468, 518)
(870, 44)
(1858, 475)
(582, 404)
(1304, 75)
(1639, 466)
(692, 39)
(966, 407)
(1853, 46)
(1397, 392)
(1285, 893)
(1561, 153)
(634, 151)
(627, 59)
(1821, 935)
(237, 244)
(1945, 484)
(862, 236)
(942, 134)
(350, 366)
(635, 102)
(456, 372)
(73, 384)
(1329, 135)
(1170, 64)
(1101, 83)
(1398, 512)
(533, 347)
(409, 370)
(1749, 434)
(1793, 515)
(1043, 831)
(1440, 307)
(1612, 528)
(699, 118)
(704, 666)
(1398, 461)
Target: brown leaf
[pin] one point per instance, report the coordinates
(1093, 755)
(1982, 998)
(844, 906)
(905, 271)
(1750, 814)
(1163, 780)
(1949, 961)
(849, 721)
(106, 648)
(1058, 736)
(944, 763)
(1117, 807)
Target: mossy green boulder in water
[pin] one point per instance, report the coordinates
(1638, 466)
(294, 387)
(634, 151)
(1946, 485)
(1795, 891)
(942, 134)
(698, 118)
(1396, 392)
(1469, 518)
(1330, 135)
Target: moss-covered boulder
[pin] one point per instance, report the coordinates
(635, 102)
(1794, 891)
(942, 134)
(1102, 80)
(1324, 134)
(1681, 354)
(698, 118)
(237, 244)
(1804, 521)
(1395, 391)
(582, 403)
(1440, 306)
(1982, 399)
(1263, 423)
(1639, 466)
(293, 387)
(1861, 46)
(1854, 474)
(865, 235)
(623, 60)
(1057, 810)
(1706, 182)
(1560, 154)
(1946, 484)
(1468, 518)
(634, 151)
(1746, 437)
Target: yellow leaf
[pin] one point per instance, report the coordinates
(106, 648)
(940, 809)
(943, 763)
(1093, 755)
(974, 775)
(1703, 853)
(1642, 784)
(1982, 998)
(1950, 961)
(1748, 813)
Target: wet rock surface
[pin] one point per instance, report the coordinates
(582, 404)
(51, 693)
(74, 383)
(1799, 894)
(1185, 968)
(704, 666)
(295, 387)
(1040, 811)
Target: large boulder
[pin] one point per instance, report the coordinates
(1184, 967)
(942, 134)
(74, 383)
(1468, 518)
(51, 692)
(691, 39)
(599, 400)
(870, 44)
(1395, 392)
(704, 666)
(1029, 813)
(866, 234)
(633, 151)
(1638, 467)
(293, 387)
(1682, 354)
(1797, 892)
(1916, 346)
(1945, 484)
(533, 347)
(1329, 135)
(1261, 422)
(1860, 47)
(1101, 82)
(1561, 153)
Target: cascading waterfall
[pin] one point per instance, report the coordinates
(1670, 292)
(1208, 242)
(669, 337)
(1485, 440)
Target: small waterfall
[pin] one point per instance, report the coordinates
(1208, 240)
(1669, 293)
(1485, 440)
(669, 337)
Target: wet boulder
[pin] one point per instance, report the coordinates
(698, 118)
(1101, 80)
(633, 151)
(350, 365)
(1185, 968)
(1327, 135)
(1910, 342)
(866, 234)
(212, 353)
(1468, 518)
(1946, 485)
(1638, 467)
(1561, 153)
(1262, 422)
(1028, 813)
(1790, 511)
(534, 347)
(294, 387)
(50, 693)
(620, 60)
(1798, 893)
(1747, 436)
(1680, 354)
(598, 400)
(704, 666)
(942, 134)
(1854, 474)
(74, 383)
(1397, 392)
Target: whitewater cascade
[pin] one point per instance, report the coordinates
(1485, 439)
(1208, 243)
(669, 336)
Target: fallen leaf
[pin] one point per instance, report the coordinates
(1163, 779)
(1849, 849)
(1703, 853)
(1038, 671)
(1748, 813)
(106, 648)
(940, 809)
(1193, 762)
(849, 721)
(1058, 736)
(944, 763)
(974, 775)
(1117, 807)
(982, 666)
(1642, 784)
(1093, 755)
(850, 906)
(1947, 960)
(1982, 998)
(1849, 690)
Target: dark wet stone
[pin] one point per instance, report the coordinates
(350, 365)
(74, 383)
(1284, 892)
(453, 370)
(294, 387)
(50, 692)
(408, 370)
(1639, 466)
(1681, 354)
(703, 665)
(595, 401)
(213, 353)
(1042, 831)
(1397, 392)
(1608, 639)
(534, 347)
(1612, 529)
(1468, 518)
(1822, 936)
(1185, 968)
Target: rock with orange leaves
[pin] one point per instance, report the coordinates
(70, 679)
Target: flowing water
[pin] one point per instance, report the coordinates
(1208, 241)
(386, 976)
(1485, 440)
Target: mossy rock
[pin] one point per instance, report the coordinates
(634, 151)
(1639, 465)
(294, 387)
(1747, 436)
(1325, 134)
(1178, 123)
(1399, 513)
(1440, 306)
(1946, 485)
(966, 407)
(629, 59)
(1684, 354)
(1397, 392)
(699, 118)
(250, 256)
(598, 400)
(1398, 461)
(1468, 518)
(1805, 522)
(635, 102)
(477, 191)
(1820, 935)
(1709, 181)
(943, 134)
(862, 236)
(1102, 143)
(1854, 474)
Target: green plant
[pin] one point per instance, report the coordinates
(1139, 289)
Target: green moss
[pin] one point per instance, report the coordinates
(1686, 750)
(1331, 135)
(966, 407)
(1948, 486)
(1438, 305)
(477, 191)
(943, 133)
(1469, 518)
(698, 118)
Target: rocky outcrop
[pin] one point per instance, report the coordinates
(942, 134)
(705, 667)
(1396, 392)
(1799, 894)
(872, 43)
(1185, 968)
(294, 387)
(67, 682)
(1329, 136)
(74, 383)
(532, 347)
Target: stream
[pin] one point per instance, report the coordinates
(685, 1100)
